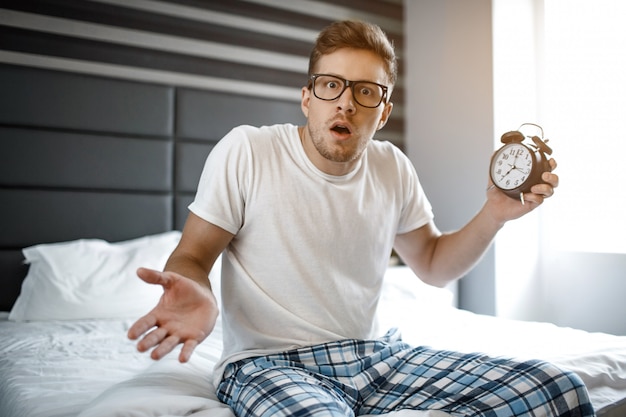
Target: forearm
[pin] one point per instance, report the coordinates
(456, 253)
(440, 258)
(189, 267)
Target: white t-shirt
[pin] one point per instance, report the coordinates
(310, 249)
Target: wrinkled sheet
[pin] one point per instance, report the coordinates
(65, 368)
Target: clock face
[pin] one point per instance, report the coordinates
(511, 165)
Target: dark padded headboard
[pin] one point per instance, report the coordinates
(92, 157)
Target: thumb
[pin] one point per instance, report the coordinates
(152, 276)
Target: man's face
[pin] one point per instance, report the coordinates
(338, 131)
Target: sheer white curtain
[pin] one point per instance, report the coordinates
(516, 78)
(583, 102)
(562, 64)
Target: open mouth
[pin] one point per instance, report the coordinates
(341, 129)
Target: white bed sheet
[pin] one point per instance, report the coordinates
(63, 368)
(598, 358)
(56, 368)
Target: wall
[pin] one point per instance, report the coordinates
(255, 48)
(449, 129)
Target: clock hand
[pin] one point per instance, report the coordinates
(514, 167)
(507, 173)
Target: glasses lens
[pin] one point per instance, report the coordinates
(367, 94)
(327, 87)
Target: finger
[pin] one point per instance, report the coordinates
(552, 163)
(152, 339)
(166, 346)
(141, 326)
(188, 347)
(541, 190)
(551, 179)
(533, 199)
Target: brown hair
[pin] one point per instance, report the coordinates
(358, 35)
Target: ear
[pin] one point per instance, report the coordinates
(385, 115)
(306, 99)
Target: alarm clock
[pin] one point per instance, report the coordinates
(519, 163)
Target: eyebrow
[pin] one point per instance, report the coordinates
(344, 78)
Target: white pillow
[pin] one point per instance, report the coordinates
(402, 285)
(91, 279)
(407, 302)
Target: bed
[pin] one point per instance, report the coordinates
(86, 367)
(95, 177)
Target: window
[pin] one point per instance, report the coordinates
(562, 64)
(583, 100)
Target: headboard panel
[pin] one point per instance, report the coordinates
(94, 157)
(89, 155)
(54, 99)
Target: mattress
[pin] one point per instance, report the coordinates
(88, 368)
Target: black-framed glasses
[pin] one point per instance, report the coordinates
(330, 87)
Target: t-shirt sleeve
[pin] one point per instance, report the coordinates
(225, 177)
(416, 210)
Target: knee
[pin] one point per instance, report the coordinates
(550, 373)
(286, 392)
(564, 389)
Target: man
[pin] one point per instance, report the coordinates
(307, 217)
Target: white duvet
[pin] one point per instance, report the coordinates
(89, 369)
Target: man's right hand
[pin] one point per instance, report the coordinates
(186, 314)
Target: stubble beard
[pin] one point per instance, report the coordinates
(336, 153)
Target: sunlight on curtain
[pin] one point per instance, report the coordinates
(562, 64)
(515, 52)
(583, 104)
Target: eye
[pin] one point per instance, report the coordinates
(365, 91)
(333, 85)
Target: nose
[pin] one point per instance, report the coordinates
(346, 101)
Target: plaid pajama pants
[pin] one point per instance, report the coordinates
(353, 377)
